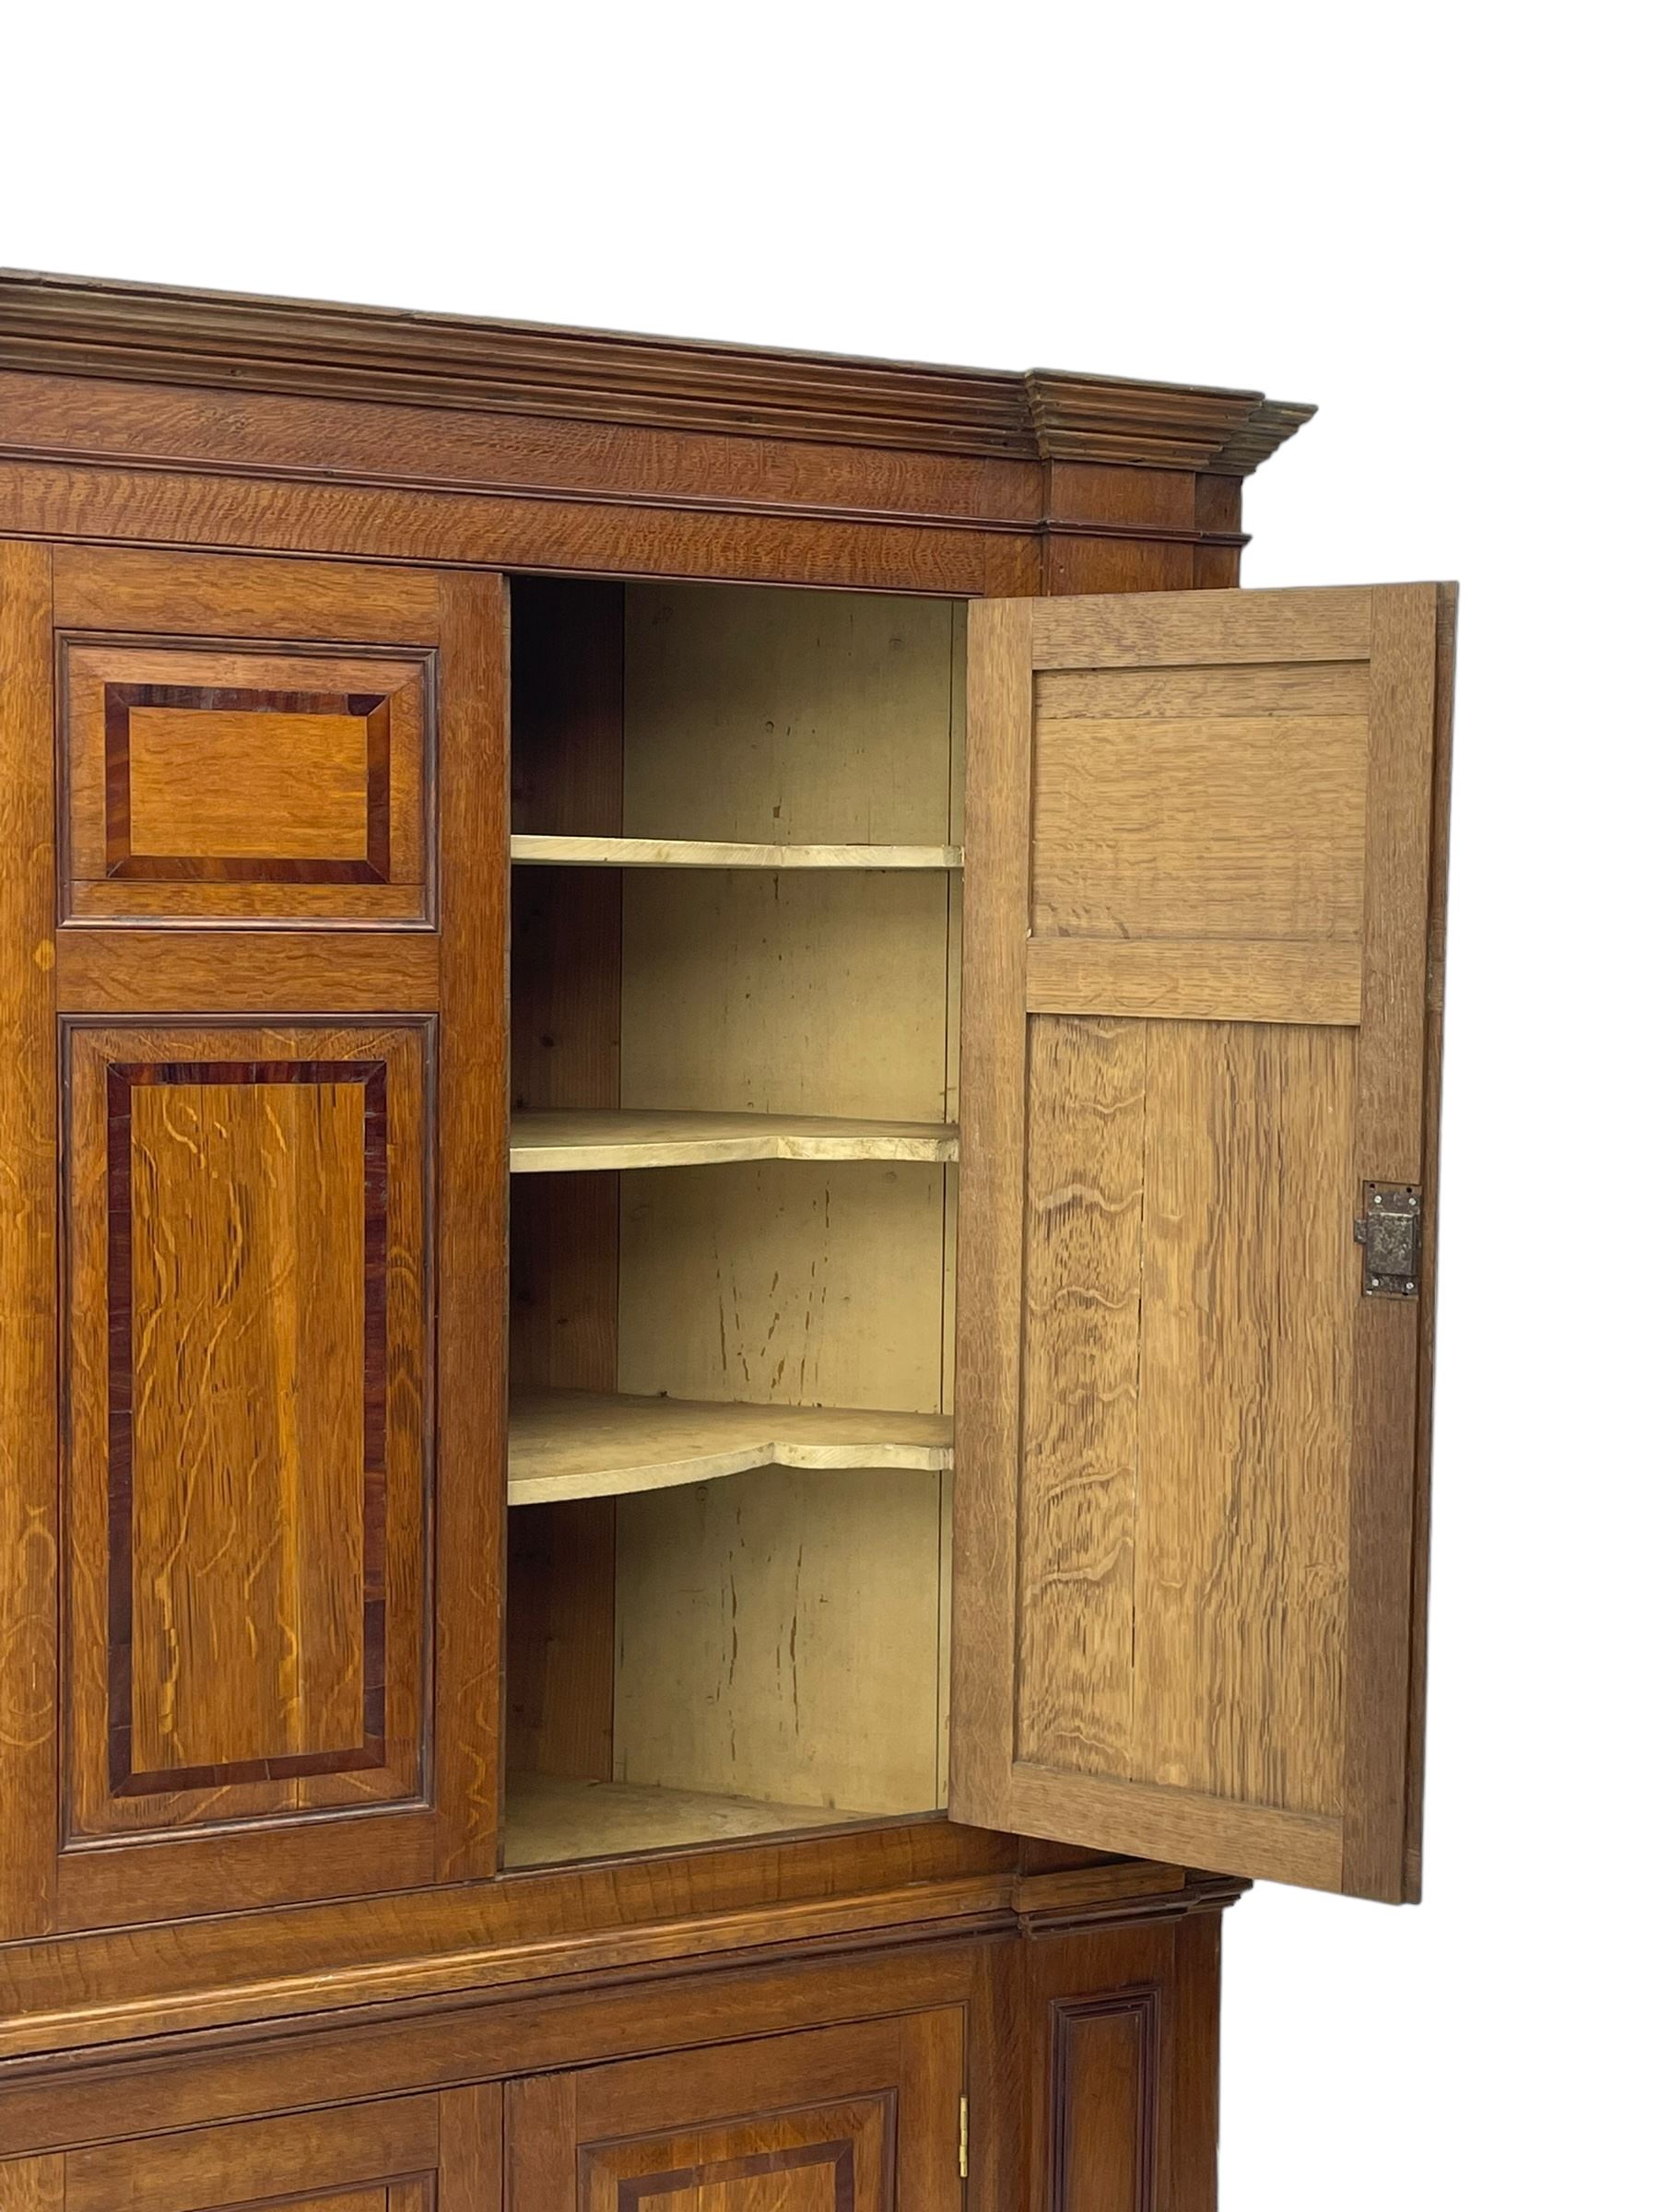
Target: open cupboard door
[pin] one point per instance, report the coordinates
(1204, 897)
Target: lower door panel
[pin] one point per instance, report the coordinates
(859, 2118)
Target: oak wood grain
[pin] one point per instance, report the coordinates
(471, 1252)
(975, 1960)
(1103, 2116)
(317, 1958)
(182, 594)
(1386, 1493)
(996, 901)
(250, 1440)
(1203, 694)
(120, 970)
(845, 2119)
(1246, 1410)
(1433, 1038)
(203, 2170)
(205, 785)
(1196, 628)
(1223, 828)
(29, 1239)
(31, 2185)
(471, 2148)
(1197, 979)
(241, 514)
(1086, 1146)
(1270, 1411)
(193, 337)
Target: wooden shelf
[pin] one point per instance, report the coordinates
(550, 1821)
(570, 1142)
(703, 853)
(574, 1444)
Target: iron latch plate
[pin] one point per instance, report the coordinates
(1391, 1228)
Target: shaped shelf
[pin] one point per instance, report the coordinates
(574, 1443)
(570, 1143)
(703, 852)
(550, 1820)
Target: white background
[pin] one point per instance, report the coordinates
(1435, 221)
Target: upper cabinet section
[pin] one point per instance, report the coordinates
(138, 414)
(1203, 891)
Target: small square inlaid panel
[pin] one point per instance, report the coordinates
(274, 785)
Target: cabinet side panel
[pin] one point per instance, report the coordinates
(28, 1246)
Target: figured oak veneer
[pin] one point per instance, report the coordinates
(429, 2153)
(1201, 880)
(249, 1418)
(854, 2118)
(270, 784)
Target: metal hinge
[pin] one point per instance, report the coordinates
(962, 2141)
(1391, 1228)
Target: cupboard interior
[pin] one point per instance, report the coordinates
(735, 978)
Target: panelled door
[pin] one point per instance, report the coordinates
(256, 810)
(440, 2152)
(859, 2118)
(1202, 906)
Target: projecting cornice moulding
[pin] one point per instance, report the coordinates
(81, 326)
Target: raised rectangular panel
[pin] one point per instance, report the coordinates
(250, 1423)
(270, 783)
(855, 2118)
(1104, 2075)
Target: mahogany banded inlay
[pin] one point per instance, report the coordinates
(372, 709)
(122, 1077)
(638, 2190)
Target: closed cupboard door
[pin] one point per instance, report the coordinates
(433, 2153)
(861, 2118)
(252, 996)
(1203, 890)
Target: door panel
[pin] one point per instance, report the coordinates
(250, 1422)
(1203, 876)
(281, 783)
(279, 1228)
(852, 2119)
(433, 2153)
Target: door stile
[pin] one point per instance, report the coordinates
(996, 904)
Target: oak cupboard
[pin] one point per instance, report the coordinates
(718, 1174)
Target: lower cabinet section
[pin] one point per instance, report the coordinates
(851, 2119)
(1025, 2062)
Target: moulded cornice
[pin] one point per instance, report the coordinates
(68, 326)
